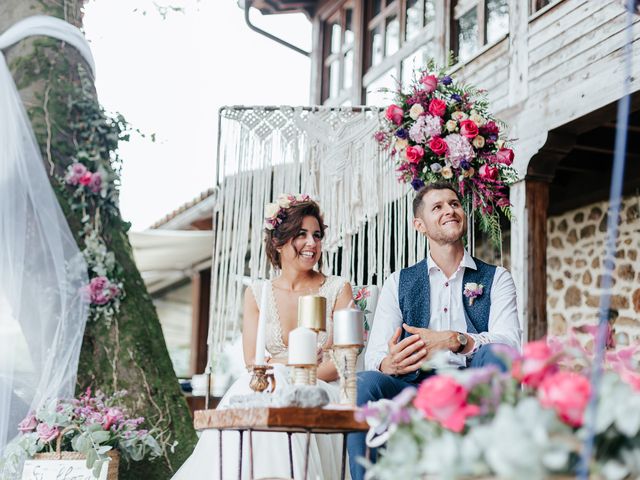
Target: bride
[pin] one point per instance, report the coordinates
(294, 230)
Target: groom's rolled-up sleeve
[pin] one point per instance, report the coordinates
(387, 318)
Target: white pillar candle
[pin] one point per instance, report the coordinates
(303, 349)
(348, 327)
(262, 325)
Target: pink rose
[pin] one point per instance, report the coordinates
(444, 400)
(536, 364)
(488, 172)
(101, 291)
(85, 179)
(29, 424)
(96, 182)
(46, 433)
(395, 114)
(468, 128)
(379, 136)
(430, 83)
(568, 394)
(437, 107)
(505, 155)
(438, 146)
(414, 154)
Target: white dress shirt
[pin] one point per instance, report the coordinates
(447, 312)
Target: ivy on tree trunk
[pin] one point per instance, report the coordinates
(129, 352)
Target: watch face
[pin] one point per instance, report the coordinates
(462, 338)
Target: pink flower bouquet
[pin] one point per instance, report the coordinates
(529, 422)
(439, 130)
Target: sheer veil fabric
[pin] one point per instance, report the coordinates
(42, 310)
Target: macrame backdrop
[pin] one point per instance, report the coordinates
(328, 153)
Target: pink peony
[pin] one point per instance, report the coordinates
(430, 83)
(505, 155)
(414, 154)
(437, 107)
(395, 114)
(536, 364)
(468, 128)
(488, 172)
(96, 182)
(568, 394)
(29, 424)
(438, 146)
(444, 400)
(101, 291)
(458, 149)
(46, 433)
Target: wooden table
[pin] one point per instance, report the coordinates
(289, 420)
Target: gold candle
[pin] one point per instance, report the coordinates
(312, 312)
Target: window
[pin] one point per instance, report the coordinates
(339, 57)
(538, 5)
(477, 23)
(419, 14)
(386, 80)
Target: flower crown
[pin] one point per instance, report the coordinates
(275, 213)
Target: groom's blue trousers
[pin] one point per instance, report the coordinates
(374, 385)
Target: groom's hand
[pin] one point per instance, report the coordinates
(405, 356)
(434, 340)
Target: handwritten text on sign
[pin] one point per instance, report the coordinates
(60, 470)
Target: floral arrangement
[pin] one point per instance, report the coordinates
(91, 424)
(440, 130)
(90, 185)
(275, 213)
(529, 422)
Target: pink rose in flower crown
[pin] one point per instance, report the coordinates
(469, 129)
(414, 154)
(29, 424)
(46, 433)
(437, 107)
(536, 363)
(444, 400)
(505, 155)
(568, 394)
(438, 146)
(488, 172)
(395, 114)
(430, 83)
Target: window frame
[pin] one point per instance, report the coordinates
(338, 16)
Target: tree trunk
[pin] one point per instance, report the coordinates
(129, 353)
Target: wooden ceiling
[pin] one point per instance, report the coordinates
(579, 158)
(267, 7)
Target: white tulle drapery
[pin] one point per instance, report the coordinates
(328, 153)
(42, 271)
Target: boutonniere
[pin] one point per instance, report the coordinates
(472, 291)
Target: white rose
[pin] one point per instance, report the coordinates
(478, 141)
(401, 143)
(469, 173)
(451, 125)
(477, 119)
(446, 172)
(458, 116)
(500, 143)
(283, 201)
(471, 286)
(415, 111)
(271, 210)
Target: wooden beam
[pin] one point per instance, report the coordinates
(537, 204)
(201, 294)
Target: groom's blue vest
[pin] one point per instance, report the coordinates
(414, 296)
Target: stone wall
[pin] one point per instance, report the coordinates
(575, 265)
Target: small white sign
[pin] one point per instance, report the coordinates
(60, 470)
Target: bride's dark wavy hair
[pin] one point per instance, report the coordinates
(289, 228)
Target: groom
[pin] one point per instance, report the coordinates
(450, 301)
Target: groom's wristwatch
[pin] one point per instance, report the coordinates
(462, 340)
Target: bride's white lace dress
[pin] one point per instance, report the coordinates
(271, 450)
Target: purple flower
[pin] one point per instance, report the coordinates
(417, 184)
(46, 433)
(402, 133)
(435, 167)
(425, 127)
(29, 424)
(456, 97)
(446, 80)
(459, 149)
(465, 165)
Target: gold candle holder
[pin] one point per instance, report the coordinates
(262, 378)
(312, 312)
